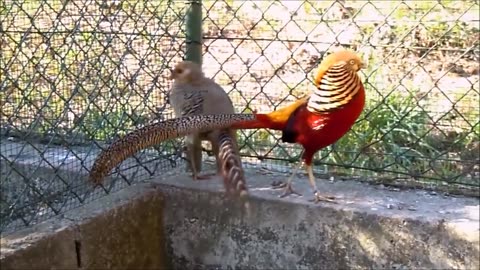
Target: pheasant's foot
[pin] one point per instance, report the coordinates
(206, 176)
(288, 190)
(322, 198)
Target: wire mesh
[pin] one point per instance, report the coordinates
(75, 75)
(421, 123)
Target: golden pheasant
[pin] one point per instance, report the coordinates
(323, 117)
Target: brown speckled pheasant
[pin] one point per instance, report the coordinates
(194, 94)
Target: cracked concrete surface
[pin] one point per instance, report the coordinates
(368, 227)
(170, 220)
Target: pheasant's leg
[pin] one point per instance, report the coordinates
(194, 156)
(205, 176)
(288, 186)
(317, 197)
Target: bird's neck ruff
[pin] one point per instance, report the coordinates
(336, 88)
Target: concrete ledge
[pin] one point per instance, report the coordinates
(172, 221)
(121, 231)
(366, 229)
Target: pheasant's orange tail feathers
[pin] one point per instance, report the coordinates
(281, 115)
(275, 120)
(261, 121)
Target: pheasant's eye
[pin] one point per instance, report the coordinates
(351, 62)
(179, 71)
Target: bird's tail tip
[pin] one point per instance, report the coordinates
(244, 203)
(247, 209)
(243, 193)
(95, 179)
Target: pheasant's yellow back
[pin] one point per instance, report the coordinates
(156, 133)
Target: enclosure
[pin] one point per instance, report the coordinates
(76, 75)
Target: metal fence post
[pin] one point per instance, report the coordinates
(194, 32)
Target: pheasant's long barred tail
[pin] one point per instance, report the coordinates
(336, 88)
(231, 165)
(154, 134)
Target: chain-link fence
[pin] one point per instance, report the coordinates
(76, 74)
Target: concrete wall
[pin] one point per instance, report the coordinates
(171, 221)
(367, 229)
(177, 223)
(123, 231)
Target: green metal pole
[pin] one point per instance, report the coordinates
(194, 32)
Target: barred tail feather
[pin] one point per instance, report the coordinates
(231, 168)
(154, 134)
(231, 165)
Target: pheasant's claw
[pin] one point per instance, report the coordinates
(287, 188)
(319, 198)
(206, 176)
(288, 191)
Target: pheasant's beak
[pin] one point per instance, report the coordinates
(171, 75)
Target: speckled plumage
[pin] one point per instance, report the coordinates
(194, 94)
(154, 134)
